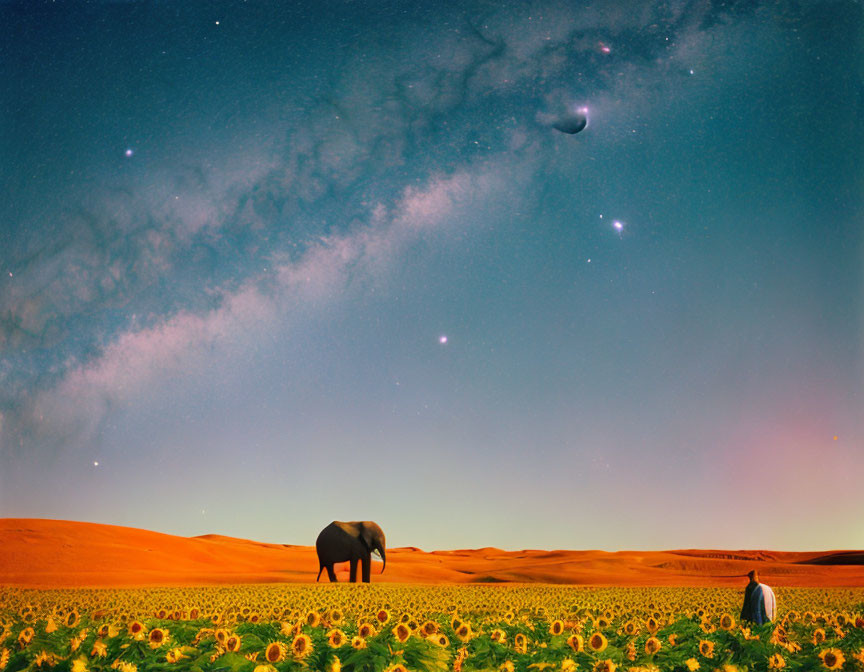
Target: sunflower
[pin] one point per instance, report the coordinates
(630, 628)
(335, 665)
(568, 665)
(604, 666)
(707, 626)
(673, 639)
(157, 637)
(222, 635)
(818, 636)
(25, 637)
(576, 642)
(441, 640)
(275, 652)
(336, 616)
(692, 664)
(597, 642)
(520, 642)
(464, 632)
(727, 622)
(232, 643)
(301, 646)
(313, 618)
(136, 629)
(175, 655)
(556, 628)
(396, 667)
(507, 666)
(382, 616)
(44, 657)
(336, 638)
(498, 635)
(429, 628)
(706, 648)
(366, 630)
(161, 614)
(79, 665)
(652, 625)
(401, 632)
(194, 614)
(100, 649)
(652, 646)
(358, 642)
(832, 659)
(776, 662)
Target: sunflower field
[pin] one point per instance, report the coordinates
(387, 628)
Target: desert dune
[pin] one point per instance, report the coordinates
(54, 553)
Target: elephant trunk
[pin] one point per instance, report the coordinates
(380, 549)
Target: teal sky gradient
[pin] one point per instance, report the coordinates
(234, 234)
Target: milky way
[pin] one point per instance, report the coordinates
(267, 265)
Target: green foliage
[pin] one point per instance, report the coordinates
(61, 639)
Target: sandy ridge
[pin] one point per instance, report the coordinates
(55, 553)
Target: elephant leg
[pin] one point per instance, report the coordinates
(332, 574)
(353, 575)
(367, 568)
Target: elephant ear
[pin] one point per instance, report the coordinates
(371, 535)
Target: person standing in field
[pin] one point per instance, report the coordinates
(760, 605)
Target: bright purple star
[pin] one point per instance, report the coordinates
(129, 152)
(442, 339)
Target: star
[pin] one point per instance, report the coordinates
(129, 152)
(96, 464)
(442, 339)
(618, 225)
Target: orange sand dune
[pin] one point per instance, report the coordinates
(56, 553)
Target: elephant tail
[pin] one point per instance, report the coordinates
(319, 573)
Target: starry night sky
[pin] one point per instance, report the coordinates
(267, 265)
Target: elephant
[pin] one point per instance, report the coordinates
(341, 542)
